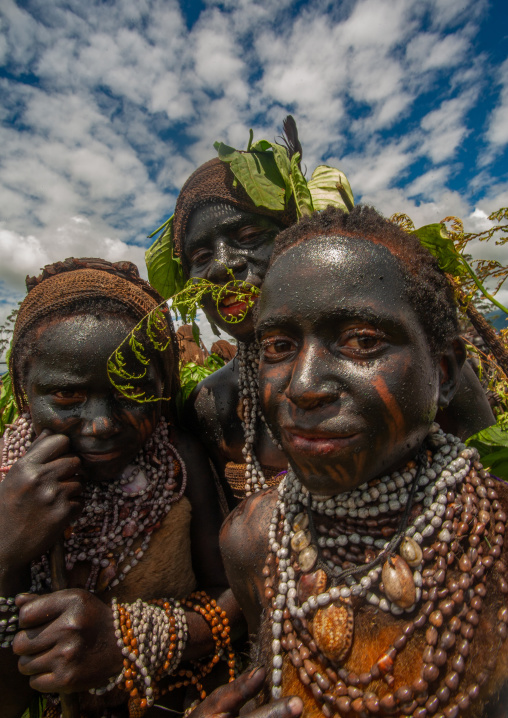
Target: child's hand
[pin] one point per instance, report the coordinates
(66, 642)
(39, 497)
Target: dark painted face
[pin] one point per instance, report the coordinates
(70, 393)
(347, 380)
(218, 237)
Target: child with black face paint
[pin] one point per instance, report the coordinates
(375, 577)
(125, 490)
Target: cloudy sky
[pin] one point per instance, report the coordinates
(107, 107)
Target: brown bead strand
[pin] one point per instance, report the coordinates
(201, 603)
(130, 642)
(219, 624)
(173, 638)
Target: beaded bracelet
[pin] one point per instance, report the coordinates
(201, 603)
(163, 622)
(8, 624)
(219, 624)
(152, 637)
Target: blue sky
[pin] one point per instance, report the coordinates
(108, 106)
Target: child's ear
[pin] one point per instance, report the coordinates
(450, 366)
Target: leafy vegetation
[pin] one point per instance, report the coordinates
(448, 242)
(8, 410)
(448, 245)
(191, 373)
(151, 326)
(492, 445)
(165, 271)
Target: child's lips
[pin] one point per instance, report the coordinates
(320, 442)
(233, 306)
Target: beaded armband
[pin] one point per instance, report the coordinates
(201, 603)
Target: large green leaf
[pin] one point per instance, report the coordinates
(330, 186)
(492, 444)
(300, 188)
(435, 238)
(165, 271)
(281, 160)
(8, 411)
(258, 174)
(225, 152)
(260, 146)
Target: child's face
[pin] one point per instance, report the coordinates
(221, 237)
(70, 393)
(347, 380)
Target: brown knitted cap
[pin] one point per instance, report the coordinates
(211, 182)
(64, 284)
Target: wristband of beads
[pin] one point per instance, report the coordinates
(9, 621)
(152, 637)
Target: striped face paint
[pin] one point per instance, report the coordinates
(347, 380)
(69, 392)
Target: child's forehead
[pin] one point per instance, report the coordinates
(76, 340)
(333, 270)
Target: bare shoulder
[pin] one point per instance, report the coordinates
(244, 533)
(244, 545)
(200, 483)
(213, 396)
(187, 445)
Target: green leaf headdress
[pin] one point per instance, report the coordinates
(266, 178)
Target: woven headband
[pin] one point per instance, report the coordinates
(56, 293)
(214, 182)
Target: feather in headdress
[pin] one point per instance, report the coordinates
(290, 138)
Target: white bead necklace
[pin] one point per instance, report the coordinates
(248, 364)
(451, 463)
(114, 514)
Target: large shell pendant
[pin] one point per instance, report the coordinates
(332, 628)
(411, 552)
(398, 582)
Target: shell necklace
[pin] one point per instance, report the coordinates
(248, 369)
(114, 514)
(313, 587)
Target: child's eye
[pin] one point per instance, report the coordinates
(277, 348)
(68, 396)
(361, 342)
(200, 257)
(250, 233)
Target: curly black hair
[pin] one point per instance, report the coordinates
(427, 289)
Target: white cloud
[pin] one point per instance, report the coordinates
(127, 100)
(497, 133)
(429, 51)
(27, 254)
